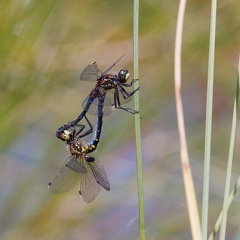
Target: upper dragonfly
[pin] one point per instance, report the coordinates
(108, 86)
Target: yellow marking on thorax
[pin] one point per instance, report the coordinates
(78, 149)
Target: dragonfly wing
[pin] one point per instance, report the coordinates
(90, 73)
(98, 172)
(121, 97)
(124, 100)
(64, 181)
(89, 188)
(76, 164)
(93, 108)
(106, 106)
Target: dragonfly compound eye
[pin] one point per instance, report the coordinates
(123, 75)
(65, 135)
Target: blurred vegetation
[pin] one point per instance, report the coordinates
(44, 47)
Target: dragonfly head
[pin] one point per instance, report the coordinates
(123, 75)
(66, 136)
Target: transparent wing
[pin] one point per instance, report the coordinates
(93, 108)
(65, 180)
(110, 95)
(99, 172)
(124, 100)
(76, 164)
(90, 73)
(89, 188)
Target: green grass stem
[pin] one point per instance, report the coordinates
(208, 131)
(229, 164)
(219, 220)
(137, 122)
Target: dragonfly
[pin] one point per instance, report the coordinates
(111, 87)
(80, 165)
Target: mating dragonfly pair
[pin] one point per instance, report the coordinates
(109, 92)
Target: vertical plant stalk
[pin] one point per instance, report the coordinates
(208, 132)
(229, 164)
(187, 175)
(219, 220)
(137, 122)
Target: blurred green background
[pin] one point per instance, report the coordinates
(44, 47)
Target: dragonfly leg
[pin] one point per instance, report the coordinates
(117, 104)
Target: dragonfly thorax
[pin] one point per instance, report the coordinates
(107, 82)
(78, 148)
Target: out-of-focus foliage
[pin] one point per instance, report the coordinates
(44, 47)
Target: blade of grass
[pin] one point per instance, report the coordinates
(137, 122)
(229, 164)
(208, 133)
(219, 220)
(187, 175)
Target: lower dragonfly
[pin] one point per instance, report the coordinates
(80, 165)
(109, 86)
